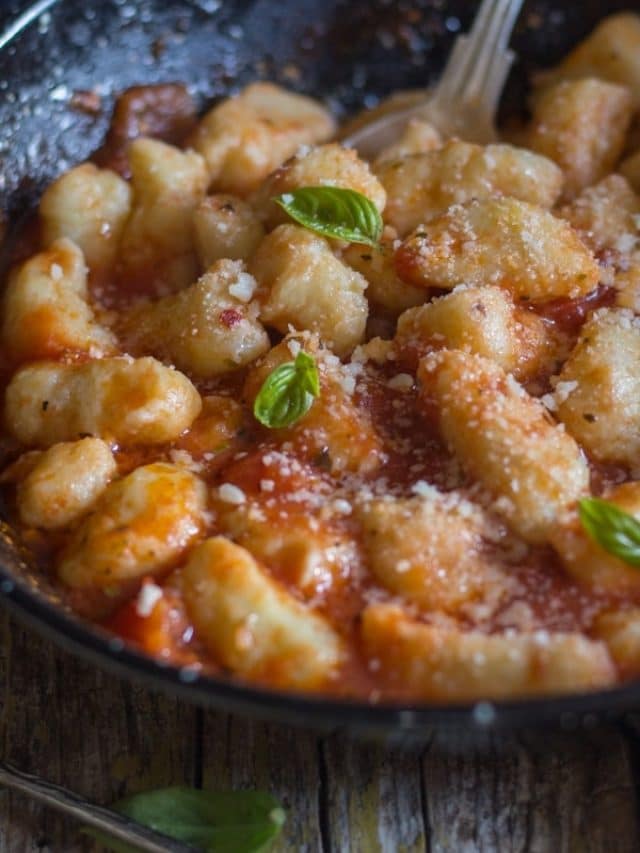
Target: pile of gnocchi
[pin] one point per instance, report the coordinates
(399, 466)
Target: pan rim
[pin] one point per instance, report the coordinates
(90, 642)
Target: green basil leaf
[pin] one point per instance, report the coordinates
(288, 392)
(213, 822)
(615, 530)
(334, 212)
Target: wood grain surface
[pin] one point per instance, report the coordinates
(103, 737)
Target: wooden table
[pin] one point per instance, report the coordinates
(103, 737)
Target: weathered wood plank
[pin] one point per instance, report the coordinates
(78, 727)
(239, 753)
(373, 799)
(544, 793)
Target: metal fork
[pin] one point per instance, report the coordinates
(465, 100)
(111, 823)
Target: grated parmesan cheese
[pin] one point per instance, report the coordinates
(401, 382)
(244, 287)
(231, 494)
(149, 595)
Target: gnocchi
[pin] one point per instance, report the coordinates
(598, 387)
(330, 165)
(208, 329)
(89, 206)
(438, 663)
(506, 440)
(429, 550)
(45, 310)
(305, 286)
(225, 227)
(356, 466)
(505, 242)
(252, 625)
(421, 187)
(586, 561)
(245, 138)
(581, 125)
(158, 241)
(141, 526)
(65, 482)
(481, 320)
(137, 401)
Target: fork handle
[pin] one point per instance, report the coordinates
(89, 814)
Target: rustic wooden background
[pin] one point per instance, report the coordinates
(104, 737)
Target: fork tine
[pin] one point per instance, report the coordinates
(470, 62)
(453, 76)
(490, 51)
(485, 14)
(455, 70)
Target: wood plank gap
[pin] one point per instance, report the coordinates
(198, 748)
(424, 800)
(631, 733)
(323, 798)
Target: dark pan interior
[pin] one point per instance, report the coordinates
(349, 53)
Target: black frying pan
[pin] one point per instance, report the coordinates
(345, 51)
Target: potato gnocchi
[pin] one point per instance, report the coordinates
(349, 463)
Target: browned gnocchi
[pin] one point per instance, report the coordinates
(504, 241)
(327, 424)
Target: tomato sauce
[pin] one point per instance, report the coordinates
(397, 437)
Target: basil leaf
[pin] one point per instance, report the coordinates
(334, 212)
(288, 392)
(615, 530)
(213, 822)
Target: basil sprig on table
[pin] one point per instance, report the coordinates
(288, 392)
(615, 530)
(229, 821)
(334, 212)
